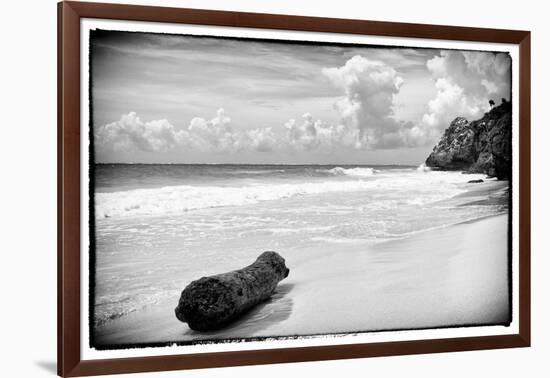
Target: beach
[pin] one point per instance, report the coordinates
(447, 268)
(428, 280)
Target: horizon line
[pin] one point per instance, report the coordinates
(291, 164)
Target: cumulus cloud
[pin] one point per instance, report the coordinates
(309, 134)
(214, 135)
(367, 105)
(303, 135)
(465, 82)
(262, 140)
(130, 131)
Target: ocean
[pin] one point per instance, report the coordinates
(158, 227)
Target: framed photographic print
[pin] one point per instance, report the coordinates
(240, 188)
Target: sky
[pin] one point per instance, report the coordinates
(161, 98)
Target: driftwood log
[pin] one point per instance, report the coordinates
(210, 303)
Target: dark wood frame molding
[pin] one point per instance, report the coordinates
(69, 358)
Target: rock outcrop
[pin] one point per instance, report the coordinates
(482, 146)
(210, 303)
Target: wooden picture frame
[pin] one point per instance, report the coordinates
(70, 14)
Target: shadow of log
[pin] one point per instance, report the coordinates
(274, 310)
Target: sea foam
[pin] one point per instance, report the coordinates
(358, 172)
(423, 168)
(421, 187)
(177, 199)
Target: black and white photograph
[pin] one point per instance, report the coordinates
(247, 189)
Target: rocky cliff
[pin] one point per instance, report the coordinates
(482, 146)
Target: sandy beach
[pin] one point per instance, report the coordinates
(456, 275)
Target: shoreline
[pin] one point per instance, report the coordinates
(447, 265)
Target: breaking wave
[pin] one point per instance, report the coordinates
(357, 172)
(178, 199)
(413, 186)
(422, 168)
